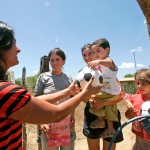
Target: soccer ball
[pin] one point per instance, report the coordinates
(145, 108)
(85, 74)
(145, 122)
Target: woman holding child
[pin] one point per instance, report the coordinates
(94, 135)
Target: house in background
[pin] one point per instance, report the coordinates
(145, 6)
(127, 80)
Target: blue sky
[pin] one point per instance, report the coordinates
(41, 25)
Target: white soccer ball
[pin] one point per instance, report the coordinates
(145, 108)
(85, 74)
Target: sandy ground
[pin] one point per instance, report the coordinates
(80, 143)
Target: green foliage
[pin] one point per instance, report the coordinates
(8, 74)
(30, 83)
(129, 75)
(129, 88)
(18, 82)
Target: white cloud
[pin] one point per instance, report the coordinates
(126, 65)
(138, 49)
(140, 65)
(34, 72)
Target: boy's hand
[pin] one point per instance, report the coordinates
(93, 64)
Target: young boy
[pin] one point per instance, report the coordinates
(111, 89)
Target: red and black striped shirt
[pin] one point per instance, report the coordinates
(12, 98)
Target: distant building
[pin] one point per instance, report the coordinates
(127, 80)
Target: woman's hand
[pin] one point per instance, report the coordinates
(97, 103)
(45, 128)
(73, 88)
(131, 113)
(90, 90)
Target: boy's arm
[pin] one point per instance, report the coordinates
(105, 62)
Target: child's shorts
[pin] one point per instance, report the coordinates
(95, 133)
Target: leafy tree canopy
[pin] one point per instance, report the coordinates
(129, 75)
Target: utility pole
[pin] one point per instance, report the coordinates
(138, 49)
(134, 61)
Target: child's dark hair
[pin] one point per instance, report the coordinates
(102, 43)
(85, 46)
(58, 52)
(143, 74)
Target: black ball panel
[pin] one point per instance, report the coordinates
(87, 76)
(100, 79)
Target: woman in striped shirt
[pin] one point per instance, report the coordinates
(17, 105)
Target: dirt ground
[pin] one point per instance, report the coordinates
(80, 143)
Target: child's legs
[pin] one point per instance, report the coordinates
(110, 124)
(111, 113)
(100, 119)
(93, 144)
(106, 145)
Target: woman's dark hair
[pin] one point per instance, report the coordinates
(57, 51)
(6, 42)
(85, 46)
(6, 36)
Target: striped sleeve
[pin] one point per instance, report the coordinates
(12, 98)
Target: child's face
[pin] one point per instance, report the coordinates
(88, 55)
(100, 53)
(143, 87)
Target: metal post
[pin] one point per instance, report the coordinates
(134, 61)
(24, 124)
